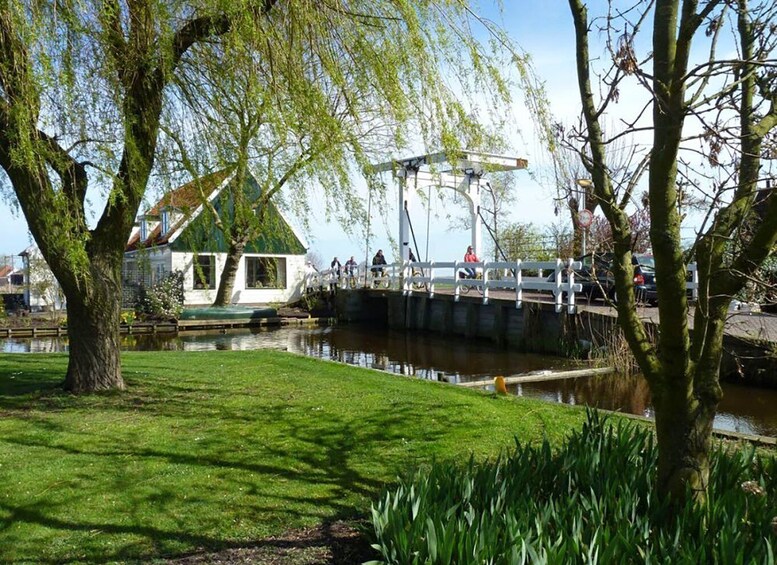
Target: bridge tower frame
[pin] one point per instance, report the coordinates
(465, 173)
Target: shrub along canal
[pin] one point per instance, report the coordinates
(429, 356)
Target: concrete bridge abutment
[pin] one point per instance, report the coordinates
(535, 327)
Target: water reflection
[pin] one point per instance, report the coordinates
(420, 355)
(743, 409)
(452, 359)
(33, 345)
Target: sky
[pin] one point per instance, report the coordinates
(541, 27)
(544, 29)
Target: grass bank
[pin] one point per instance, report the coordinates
(210, 450)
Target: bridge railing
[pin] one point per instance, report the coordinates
(363, 275)
(426, 276)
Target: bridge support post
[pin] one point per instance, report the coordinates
(476, 222)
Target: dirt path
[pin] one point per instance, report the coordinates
(338, 543)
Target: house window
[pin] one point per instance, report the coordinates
(143, 230)
(265, 272)
(204, 272)
(160, 272)
(130, 272)
(165, 222)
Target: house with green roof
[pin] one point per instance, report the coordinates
(179, 234)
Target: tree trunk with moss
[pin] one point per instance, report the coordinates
(86, 87)
(51, 184)
(94, 361)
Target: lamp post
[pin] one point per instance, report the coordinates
(584, 216)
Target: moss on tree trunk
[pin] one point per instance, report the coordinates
(93, 332)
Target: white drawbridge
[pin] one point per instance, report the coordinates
(463, 171)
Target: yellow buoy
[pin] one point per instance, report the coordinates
(499, 385)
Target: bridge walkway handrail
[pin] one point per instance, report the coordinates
(427, 276)
(412, 277)
(363, 275)
(495, 275)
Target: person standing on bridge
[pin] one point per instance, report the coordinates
(377, 261)
(470, 257)
(336, 267)
(351, 267)
(311, 274)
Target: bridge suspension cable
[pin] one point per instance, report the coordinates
(412, 231)
(493, 236)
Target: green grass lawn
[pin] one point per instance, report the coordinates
(216, 449)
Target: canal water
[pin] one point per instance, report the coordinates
(453, 359)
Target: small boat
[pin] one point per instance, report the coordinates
(228, 313)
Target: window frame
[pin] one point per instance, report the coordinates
(255, 281)
(165, 227)
(210, 278)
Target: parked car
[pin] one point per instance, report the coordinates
(596, 277)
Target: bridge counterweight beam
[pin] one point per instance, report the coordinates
(407, 184)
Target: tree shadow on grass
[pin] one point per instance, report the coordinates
(278, 456)
(320, 477)
(23, 375)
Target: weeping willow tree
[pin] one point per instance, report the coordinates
(711, 120)
(87, 86)
(242, 122)
(306, 143)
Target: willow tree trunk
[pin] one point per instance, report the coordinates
(93, 330)
(228, 274)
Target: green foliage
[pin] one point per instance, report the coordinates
(164, 300)
(526, 242)
(3, 313)
(593, 500)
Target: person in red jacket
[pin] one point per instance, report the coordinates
(470, 257)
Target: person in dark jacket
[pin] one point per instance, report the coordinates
(377, 261)
(336, 267)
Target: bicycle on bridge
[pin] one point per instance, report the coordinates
(465, 274)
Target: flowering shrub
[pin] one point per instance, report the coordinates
(162, 301)
(128, 317)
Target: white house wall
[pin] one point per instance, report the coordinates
(295, 272)
(33, 277)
